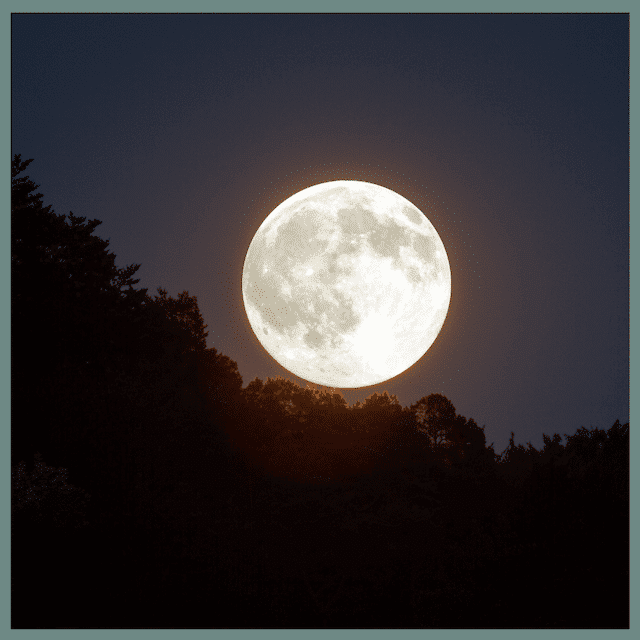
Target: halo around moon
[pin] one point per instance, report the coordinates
(346, 284)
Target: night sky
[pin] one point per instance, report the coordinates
(510, 132)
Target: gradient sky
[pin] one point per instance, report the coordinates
(510, 132)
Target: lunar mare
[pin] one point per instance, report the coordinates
(346, 284)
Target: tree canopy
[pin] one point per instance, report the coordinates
(184, 481)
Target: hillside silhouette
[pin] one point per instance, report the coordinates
(152, 489)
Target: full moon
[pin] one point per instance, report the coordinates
(346, 284)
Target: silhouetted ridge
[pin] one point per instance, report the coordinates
(151, 489)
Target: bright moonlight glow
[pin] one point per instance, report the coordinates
(346, 284)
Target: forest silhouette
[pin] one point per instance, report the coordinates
(150, 489)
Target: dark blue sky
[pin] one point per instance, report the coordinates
(510, 132)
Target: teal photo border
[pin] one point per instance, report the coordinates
(272, 6)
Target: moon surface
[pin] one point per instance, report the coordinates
(346, 284)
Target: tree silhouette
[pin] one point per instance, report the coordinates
(220, 379)
(184, 311)
(67, 289)
(435, 416)
(322, 514)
